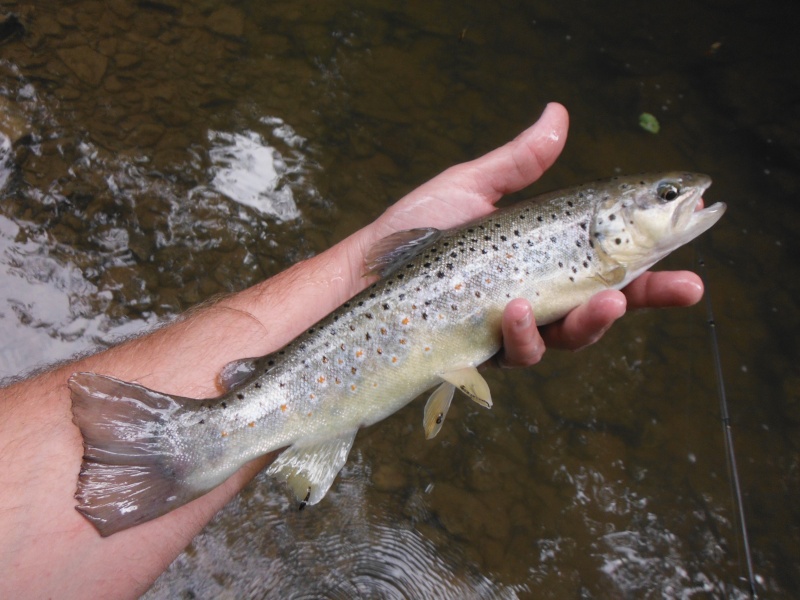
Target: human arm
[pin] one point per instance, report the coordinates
(53, 551)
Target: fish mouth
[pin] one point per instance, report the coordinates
(690, 218)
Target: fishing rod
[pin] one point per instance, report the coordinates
(727, 428)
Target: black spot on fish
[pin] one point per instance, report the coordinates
(453, 254)
(353, 370)
(578, 243)
(257, 385)
(368, 315)
(225, 404)
(540, 218)
(347, 305)
(477, 294)
(439, 418)
(487, 238)
(504, 238)
(617, 241)
(202, 421)
(570, 203)
(401, 297)
(450, 266)
(372, 295)
(585, 265)
(454, 307)
(361, 303)
(571, 278)
(270, 363)
(427, 265)
(495, 248)
(560, 264)
(516, 232)
(352, 327)
(583, 225)
(385, 307)
(553, 239)
(612, 217)
(425, 316)
(440, 274)
(484, 251)
(498, 225)
(367, 336)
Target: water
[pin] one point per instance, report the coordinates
(155, 154)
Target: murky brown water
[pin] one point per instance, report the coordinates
(156, 153)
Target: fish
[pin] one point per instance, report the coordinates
(429, 320)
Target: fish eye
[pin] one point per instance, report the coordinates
(668, 191)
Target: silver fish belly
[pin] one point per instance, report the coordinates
(429, 321)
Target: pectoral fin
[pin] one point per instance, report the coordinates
(310, 470)
(436, 409)
(472, 383)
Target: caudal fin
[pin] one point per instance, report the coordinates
(130, 472)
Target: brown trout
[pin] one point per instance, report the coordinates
(430, 320)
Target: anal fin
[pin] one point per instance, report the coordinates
(472, 383)
(310, 469)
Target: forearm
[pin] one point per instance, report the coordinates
(37, 515)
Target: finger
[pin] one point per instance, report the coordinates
(664, 289)
(587, 323)
(522, 344)
(524, 159)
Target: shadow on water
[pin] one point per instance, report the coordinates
(154, 154)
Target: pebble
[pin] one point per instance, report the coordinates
(87, 64)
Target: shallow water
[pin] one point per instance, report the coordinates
(154, 154)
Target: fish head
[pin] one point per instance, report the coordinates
(643, 218)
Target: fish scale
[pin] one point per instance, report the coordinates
(432, 317)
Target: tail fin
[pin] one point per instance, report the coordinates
(130, 472)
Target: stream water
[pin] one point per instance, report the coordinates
(156, 153)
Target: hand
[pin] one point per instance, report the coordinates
(470, 190)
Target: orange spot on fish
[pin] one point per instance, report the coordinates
(283, 408)
(383, 330)
(312, 396)
(308, 414)
(402, 341)
(321, 379)
(251, 424)
(394, 359)
(353, 387)
(488, 280)
(509, 255)
(458, 286)
(379, 351)
(427, 348)
(405, 321)
(359, 354)
(224, 434)
(341, 362)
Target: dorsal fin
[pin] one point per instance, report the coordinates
(393, 250)
(235, 373)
